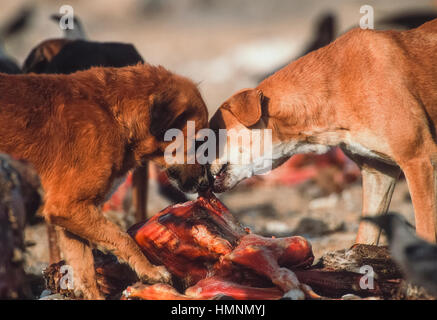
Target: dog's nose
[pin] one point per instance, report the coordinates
(204, 183)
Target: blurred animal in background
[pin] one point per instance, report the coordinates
(416, 257)
(20, 198)
(18, 23)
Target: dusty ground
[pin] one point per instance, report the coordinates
(225, 46)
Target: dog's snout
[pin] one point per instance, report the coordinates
(190, 179)
(204, 182)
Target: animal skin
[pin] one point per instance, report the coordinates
(372, 93)
(208, 253)
(84, 131)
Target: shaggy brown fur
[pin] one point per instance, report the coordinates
(84, 131)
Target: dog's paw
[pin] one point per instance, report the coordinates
(90, 292)
(158, 274)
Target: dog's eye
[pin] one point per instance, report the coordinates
(181, 121)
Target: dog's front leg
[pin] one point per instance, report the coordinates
(378, 187)
(86, 221)
(379, 180)
(78, 255)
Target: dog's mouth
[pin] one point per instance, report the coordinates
(217, 180)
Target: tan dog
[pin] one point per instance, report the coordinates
(374, 94)
(83, 133)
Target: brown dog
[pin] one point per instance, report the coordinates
(374, 94)
(83, 133)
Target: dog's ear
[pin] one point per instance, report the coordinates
(40, 57)
(246, 106)
(164, 114)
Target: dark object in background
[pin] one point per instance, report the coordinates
(77, 55)
(325, 33)
(74, 53)
(409, 20)
(19, 22)
(7, 65)
(416, 257)
(40, 57)
(20, 197)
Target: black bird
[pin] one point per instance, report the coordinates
(416, 257)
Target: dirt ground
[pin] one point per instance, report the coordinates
(224, 46)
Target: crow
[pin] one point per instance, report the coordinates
(416, 257)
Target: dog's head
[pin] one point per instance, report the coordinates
(175, 112)
(243, 156)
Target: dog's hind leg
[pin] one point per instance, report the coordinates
(87, 222)
(421, 178)
(79, 258)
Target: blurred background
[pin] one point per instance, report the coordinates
(227, 45)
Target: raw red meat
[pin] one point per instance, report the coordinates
(208, 252)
